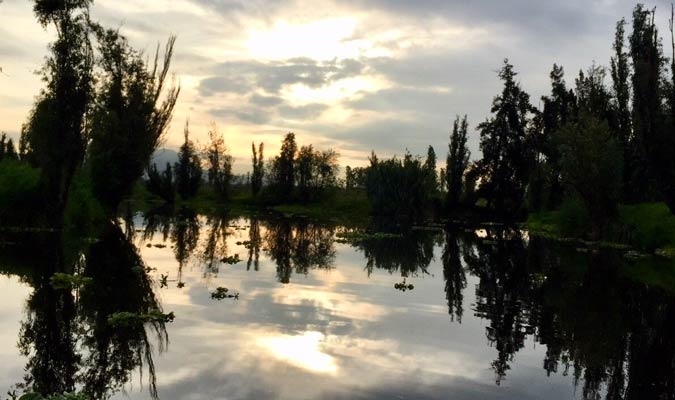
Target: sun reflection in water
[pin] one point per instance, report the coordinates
(301, 351)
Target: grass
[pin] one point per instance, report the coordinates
(346, 207)
(649, 227)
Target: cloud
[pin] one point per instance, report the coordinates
(302, 112)
(265, 101)
(250, 115)
(249, 75)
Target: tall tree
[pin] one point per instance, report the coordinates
(430, 168)
(128, 118)
(284, 166)
(457, 161)
(219, 163)
(258, 168)
(648, 141)
(621, 87)
(591, 165)
(558, 109)
(508, 154)
(188, 169)
(56, 128)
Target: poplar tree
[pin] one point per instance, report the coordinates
(457, 161)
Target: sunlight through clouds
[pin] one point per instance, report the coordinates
(322, 40)
(303, 351)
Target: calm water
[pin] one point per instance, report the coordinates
(485, 314)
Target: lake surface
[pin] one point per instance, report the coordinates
(432, 314)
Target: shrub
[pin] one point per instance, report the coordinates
(648, 226)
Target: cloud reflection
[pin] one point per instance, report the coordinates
(302, 351)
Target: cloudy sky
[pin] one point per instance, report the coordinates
(383, 75)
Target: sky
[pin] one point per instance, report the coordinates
(356, 76)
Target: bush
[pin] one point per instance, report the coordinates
(573, 218)
(83, 210)
(648, 226)
(19, 192)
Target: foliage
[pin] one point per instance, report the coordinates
(258, 174)
(19, 191)
(188, 169)
(648, 226)
(545, 189)
(7, 148)
(316, 172)
(457, 162)
(355, 178)
(283, 168)
(591, 165)
(55, 133)
(399, 187)
(222, 293)
(65, 281)
(128, 119)
(508, 153)
(129, 319)
(161, 183)
(66, 396)
(219, 163)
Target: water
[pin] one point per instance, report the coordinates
(487, 314)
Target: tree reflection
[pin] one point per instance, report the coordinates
(66, 334)
(47, 335)
(504, 293)
(254, 241)
(119, 284)
(614, 335)
(299, 246)
(454, 275)
(408, 254)
(215, 246)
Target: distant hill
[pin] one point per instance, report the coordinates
(162, 156)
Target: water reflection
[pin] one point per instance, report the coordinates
(298, 246)
(66, 334)
(318, 319)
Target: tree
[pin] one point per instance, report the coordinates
(283, 167)
(161, 183)
(457, 161)
(508, 154)
(648, 145)
(398, 187)
(430, 168)
(128, 119)
(316, 172)
(621, 88)
(56, 130)
(591, 161)
(559, 107)
(188, 168)
(219, 164)
(7, 148)
(258, 174)
(355, 178)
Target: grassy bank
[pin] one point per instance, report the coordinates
(649, 227)
(345, 207)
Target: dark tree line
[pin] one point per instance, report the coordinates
(595, 143)
(302, 174)
(186, 177)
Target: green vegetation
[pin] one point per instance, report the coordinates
(61, 280)
(221, 293)
(37, 396)
(648, 227)
(130, 319)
